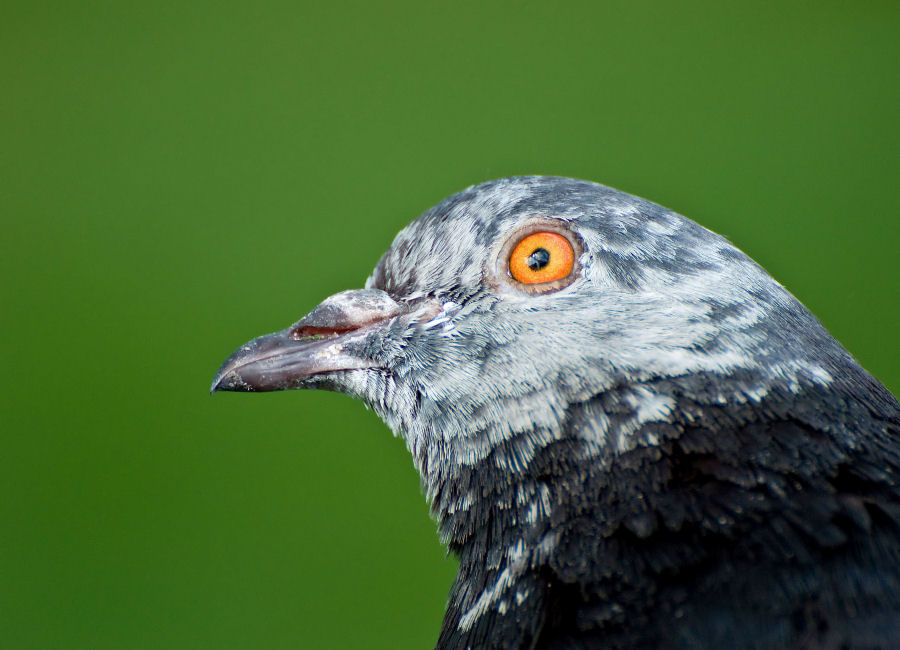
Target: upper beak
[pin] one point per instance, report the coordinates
(315, 344)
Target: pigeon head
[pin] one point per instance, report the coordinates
(465, 360)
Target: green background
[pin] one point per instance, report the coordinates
(180, 177)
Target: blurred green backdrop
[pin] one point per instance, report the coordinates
(180, 177)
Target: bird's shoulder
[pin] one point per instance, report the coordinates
(778, 517)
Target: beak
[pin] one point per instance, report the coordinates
(322, 341)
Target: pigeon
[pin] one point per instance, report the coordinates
(630, 435)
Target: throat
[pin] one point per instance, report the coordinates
(487, 501)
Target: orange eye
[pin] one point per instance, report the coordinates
(541, 257)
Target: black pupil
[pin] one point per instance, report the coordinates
(538, 259)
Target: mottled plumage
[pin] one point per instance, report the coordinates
(669, 452)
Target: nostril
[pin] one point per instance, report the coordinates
(345, 312)
(310, 331)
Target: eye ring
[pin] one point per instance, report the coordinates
(539, 257)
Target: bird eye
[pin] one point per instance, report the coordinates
(542, 257)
